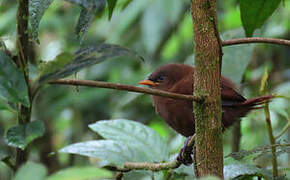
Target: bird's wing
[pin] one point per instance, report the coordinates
(229, 94)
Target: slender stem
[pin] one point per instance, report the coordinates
(256, 40)
(23, 49)
(236, 138)
(283, 130)
(272, 140)
(123, 87)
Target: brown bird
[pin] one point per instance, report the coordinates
(178, 78)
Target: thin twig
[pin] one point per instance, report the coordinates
(272, 140)
(256, 40)
(283, 130)
(263, 90)
(123, 87)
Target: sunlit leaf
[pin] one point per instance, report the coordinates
(81, 173)
(107, 151)
(31, 171)
(236, 170)
(255, 13)
(134, 134)
(87, 57)
(111, 5)
(13, 86)
(36, 11)
(20, 136)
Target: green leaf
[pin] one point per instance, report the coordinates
(84, 58)
(89, 10)
(31, 171)
(234, 60)
(236, 170)
(135, 135)
(56, 65)
(255, 13)
(20, 136)
(107, 151)
(85, 20)
(36, 11)
(111, 5)
(13, 86)
(81, 173)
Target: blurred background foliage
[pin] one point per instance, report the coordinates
(160, 31)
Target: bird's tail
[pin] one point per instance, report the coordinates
(254, 103)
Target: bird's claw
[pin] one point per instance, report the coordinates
(184, 155)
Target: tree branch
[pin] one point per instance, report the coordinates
(129, 166)
(256, 40)
(123, 87)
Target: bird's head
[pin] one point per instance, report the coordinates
(166, 76)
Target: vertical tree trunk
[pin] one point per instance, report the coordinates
(208, 53)
(22, 42)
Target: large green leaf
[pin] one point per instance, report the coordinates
(234, 61)
(81, 173)
(135, 135)
(255, 13)
(31, 171)
(36, 11)
(20, 136)
(13, 86)
(84, 58)
(236, 170)
(107, 151)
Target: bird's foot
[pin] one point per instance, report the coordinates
(184, 155)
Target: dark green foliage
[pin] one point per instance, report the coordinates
(36, 11)
(255, 13)
(20, 136)
(13, 87)
(111, 5)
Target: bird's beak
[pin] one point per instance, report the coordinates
(148, 82)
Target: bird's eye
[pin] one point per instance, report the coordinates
(160, 78)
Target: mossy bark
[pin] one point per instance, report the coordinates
(208, 53)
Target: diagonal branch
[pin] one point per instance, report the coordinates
(123, 87)
(256, 40)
